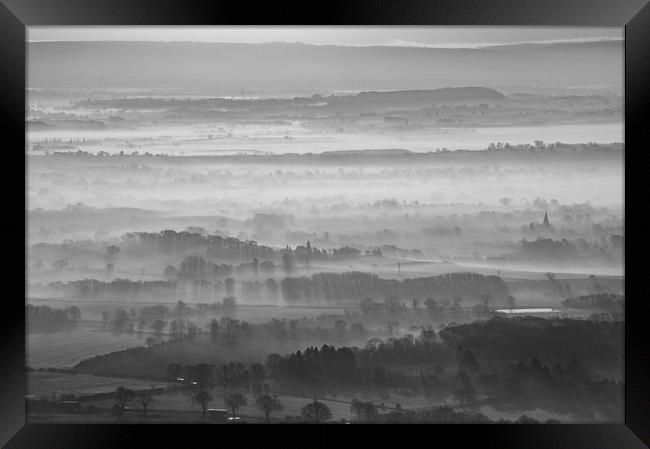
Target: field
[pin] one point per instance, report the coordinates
(179, 406)
(66, 349)
(44, 383)
(442, 238)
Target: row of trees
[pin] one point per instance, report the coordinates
(355, 285)
(160, 322)
(440, 310)
(230, 248)
(350, 286)
(314, 412)
(317, 412)
(158, 317)
(116, 289)
(563, 251)
(600, 301)
(217, 247)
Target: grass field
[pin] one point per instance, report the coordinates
(66, 349)
(44, 383)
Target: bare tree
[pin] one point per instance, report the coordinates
(204, 398)
(234, 402)
(316, 412)
(123, 395)
(145, 400)
(267, 404)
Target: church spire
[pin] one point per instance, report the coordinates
(546, 223)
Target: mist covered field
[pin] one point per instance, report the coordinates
(435, 251)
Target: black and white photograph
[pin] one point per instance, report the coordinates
(325, 224)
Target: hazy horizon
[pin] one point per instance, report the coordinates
(407, 36)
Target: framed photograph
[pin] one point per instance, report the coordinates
(365, 213)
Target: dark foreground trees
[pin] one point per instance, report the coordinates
(572, 366)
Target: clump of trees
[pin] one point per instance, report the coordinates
(215, 246)
(366, 411)
(315, 365)
(316, 412)
(554, 252)
(549, 339)
(47, 319)
(600, 301)
(122, 397)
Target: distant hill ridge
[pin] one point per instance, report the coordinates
(228, 68)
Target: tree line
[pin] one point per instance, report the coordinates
(47, 319)
(350, 287)
(603, 301)
(355, 285)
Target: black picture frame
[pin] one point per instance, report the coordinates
(634, 15)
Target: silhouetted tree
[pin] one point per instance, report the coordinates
(234, 402)
(465, 392)
(267, 404)
(123, 395)
(316, 412)
(204, 398)
(145, 400)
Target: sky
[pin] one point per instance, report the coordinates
(431, 36)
